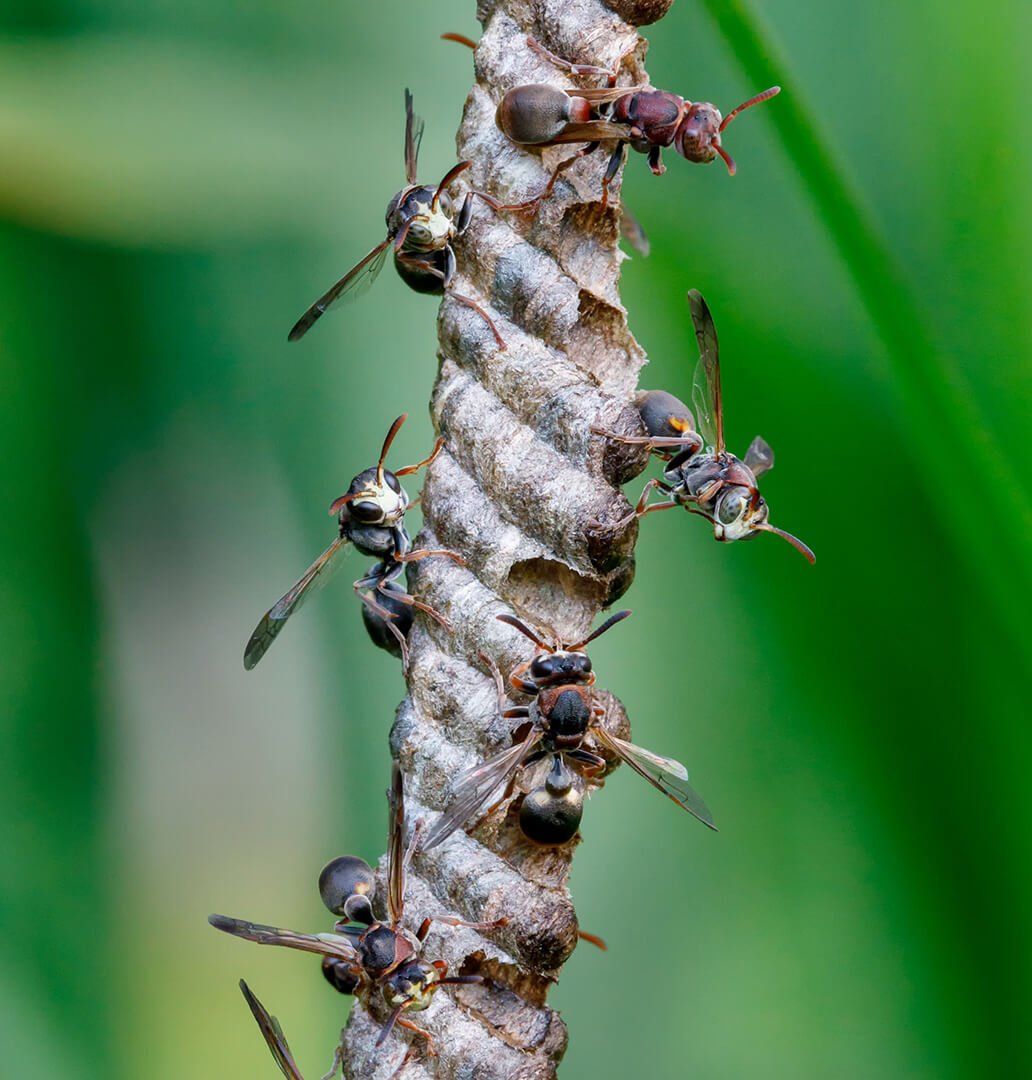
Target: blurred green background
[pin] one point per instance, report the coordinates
(178, 181)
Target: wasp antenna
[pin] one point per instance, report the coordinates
(387, 445)
(449, 176)
(525, 630)
(729, 161)
(611, 621)
(765, 96)
(387, 1027)
(460, 38)
(338, 503)
(793, 540)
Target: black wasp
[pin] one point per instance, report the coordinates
(421, 224)
(371, 515)
(364, 956)
(700, 474)
(563, 717)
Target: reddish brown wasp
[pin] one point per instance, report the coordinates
(421, 224)
(372, 517)
(646, 120)
(700, 474)
(563, 717)
(367, 956)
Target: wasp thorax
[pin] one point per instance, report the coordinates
(569, 715)
(698, 135)
(379, 948)
(537, 113)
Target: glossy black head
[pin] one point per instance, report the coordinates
(342, 879)
(340, 975)
(553, 669)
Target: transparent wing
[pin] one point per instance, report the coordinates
(591, 131)
(666, 774)
(351, 286)
(273, 1034)
(273, 621)
(396, 855)
(604, 96)
(759, 457)
(476, 786)
(324, 944)
(706, 385)
(632, 230)
(413, 137)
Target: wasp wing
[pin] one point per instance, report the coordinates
(632, 230)
(351, 286)
(476, 786)
(706, 384)
(397, 856)
(665, 774)
(324, 944)
(591, 131)
(413, 137)
(759, 457)
(606, 95)
(273, 1033)
(273, 621)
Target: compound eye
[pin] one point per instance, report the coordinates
(585, 664)
(392, 481)
(732, 507)
(541, 667)
(365, 512)
(445, 205)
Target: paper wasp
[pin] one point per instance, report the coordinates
(371, 516)
(421, 224)
(368, 957)
(564, 720)
(700, 474)
(646, 120)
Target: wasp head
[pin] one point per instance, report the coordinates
(698, 135)
(561, 667)
(411, 986)
(375, 497)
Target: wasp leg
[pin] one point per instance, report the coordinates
(408, 598)
(656, 443)
(579, 69)
(384, 613)
(656, 161)
(423, 553)
(426, 461)
(596, 941)
(402, 1022)
(615, 161)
